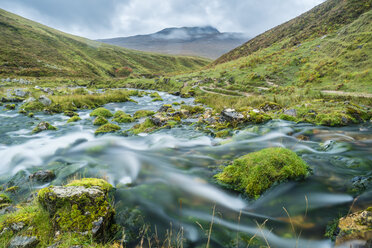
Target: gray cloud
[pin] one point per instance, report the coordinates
(112, 18)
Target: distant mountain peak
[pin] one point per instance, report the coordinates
(191, 30)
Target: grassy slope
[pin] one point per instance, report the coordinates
(321, 20)
(31, 49)
(340, 61)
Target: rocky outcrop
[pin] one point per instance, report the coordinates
(42, 176)
(231, 115)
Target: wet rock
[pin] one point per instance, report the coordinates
(158, 120)
(42, 176)
(165, 108)
(355, 229)
(360, 183)
(231, 115)
(43, 126)
(290, 112)
(328, 145)
(45, 100)
(23, 242)
(177, 93)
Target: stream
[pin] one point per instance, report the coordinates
(167, 176)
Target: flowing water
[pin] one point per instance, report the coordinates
(168, 175)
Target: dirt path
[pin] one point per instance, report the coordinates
(232, 91)
(343, 93)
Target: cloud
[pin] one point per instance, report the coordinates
(112, 18)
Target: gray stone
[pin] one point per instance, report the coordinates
(48, 90)
(23, 242)
(20, 93)
(45, 100)
(290, 112)
(231, 115)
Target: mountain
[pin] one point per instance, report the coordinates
(206, 41)
(321, 20)
(28, 48)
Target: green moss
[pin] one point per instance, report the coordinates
(256, 172)
(70, 113)
(4, 199)
(145, 127)
(143, 113)
(155, 95)
(31, 115)
(331, 229)
(10, 106)
(22, 111)
(33, 106)
(193, 109)
(257, 118)
(99, 121)
(223, 133)
(121, 117)
(12, 189)
(101, 112)
(74, 119)
(107, 128)
(158, 99)
(176, 104)
(90, 182)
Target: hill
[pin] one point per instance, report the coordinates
(331, 51)
(206, 41)
(321, 20)
(28, 48)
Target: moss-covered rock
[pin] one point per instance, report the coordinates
(10, 106)
(107, 128)
(4, 199)
(99, 121)
(70, 113)
(256, 172)
(121, 117)
(193, 109)
(43, 126)
(145, 127)
(74, 119)
(12, 189)
(143, 113)
(356, 226)
(81, 206)
(101, 112)
(223, 133)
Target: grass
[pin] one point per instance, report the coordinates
(31, 49)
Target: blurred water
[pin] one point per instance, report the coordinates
(168, 175)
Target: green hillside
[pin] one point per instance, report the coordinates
(31, 49)
(321, 20)
(340, 60)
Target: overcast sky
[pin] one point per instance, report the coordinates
(115, 18)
